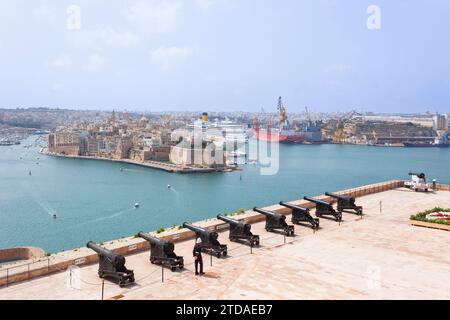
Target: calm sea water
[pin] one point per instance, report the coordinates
(94, 200)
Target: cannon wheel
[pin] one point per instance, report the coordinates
(101, 274)
(218, 254)
(173, 269)
(225, 253)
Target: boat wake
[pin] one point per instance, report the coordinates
(112, 216)
(42, 204)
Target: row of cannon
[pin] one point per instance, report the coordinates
(162, 252)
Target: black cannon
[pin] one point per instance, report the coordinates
(276, 221)
(162, 252)
(301, 215)
(324, 208)
(240, 231)
(210, 244)
(346, 204)
(112, 265)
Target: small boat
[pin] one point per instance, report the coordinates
(121, 169)
(137, 205)
(29, 173)
(54, 216)
(169, 186)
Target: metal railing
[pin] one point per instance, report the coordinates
(22, 271)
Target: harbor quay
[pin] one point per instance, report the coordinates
(379, 255)
(167, 167)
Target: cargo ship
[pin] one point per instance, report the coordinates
(306, 133)
(443, 141)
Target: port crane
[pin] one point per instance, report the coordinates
(339, 136)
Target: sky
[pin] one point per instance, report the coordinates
(226, 55)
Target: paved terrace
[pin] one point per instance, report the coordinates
(379, 257)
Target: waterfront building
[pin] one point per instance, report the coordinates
(65, 142)
(440, 122)
(205, 155)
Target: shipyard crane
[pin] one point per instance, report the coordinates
(341, 122)
(282, 115)
(307, 114)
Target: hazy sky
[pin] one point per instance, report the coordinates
(225, 55)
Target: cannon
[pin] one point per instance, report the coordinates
(112, 265)
(418, 182)
(276, 221)
(240, 231)
(210, 244)
(301, 215)
(162, 252)
(346, 204)
(324, 208)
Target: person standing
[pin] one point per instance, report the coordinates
(197, 253)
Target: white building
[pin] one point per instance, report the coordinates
(440, 122)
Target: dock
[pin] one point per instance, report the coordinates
(167, 167)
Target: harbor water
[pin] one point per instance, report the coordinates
(95, 200)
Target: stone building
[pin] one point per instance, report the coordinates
(65, 142)
(206, 155)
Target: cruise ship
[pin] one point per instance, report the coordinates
(233, 136)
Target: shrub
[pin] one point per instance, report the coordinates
(160, 230)
(422, 216)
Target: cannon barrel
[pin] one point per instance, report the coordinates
(337, 196)
(316, 201)
(229, 220)
(151, 239)
(100, 250)
(196, 229)
(114, 258)
(211, 235)
(293, 207)
(419, 174)
(265, 212)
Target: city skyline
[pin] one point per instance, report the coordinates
(224, 55)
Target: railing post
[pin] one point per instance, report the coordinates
(7, 277)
